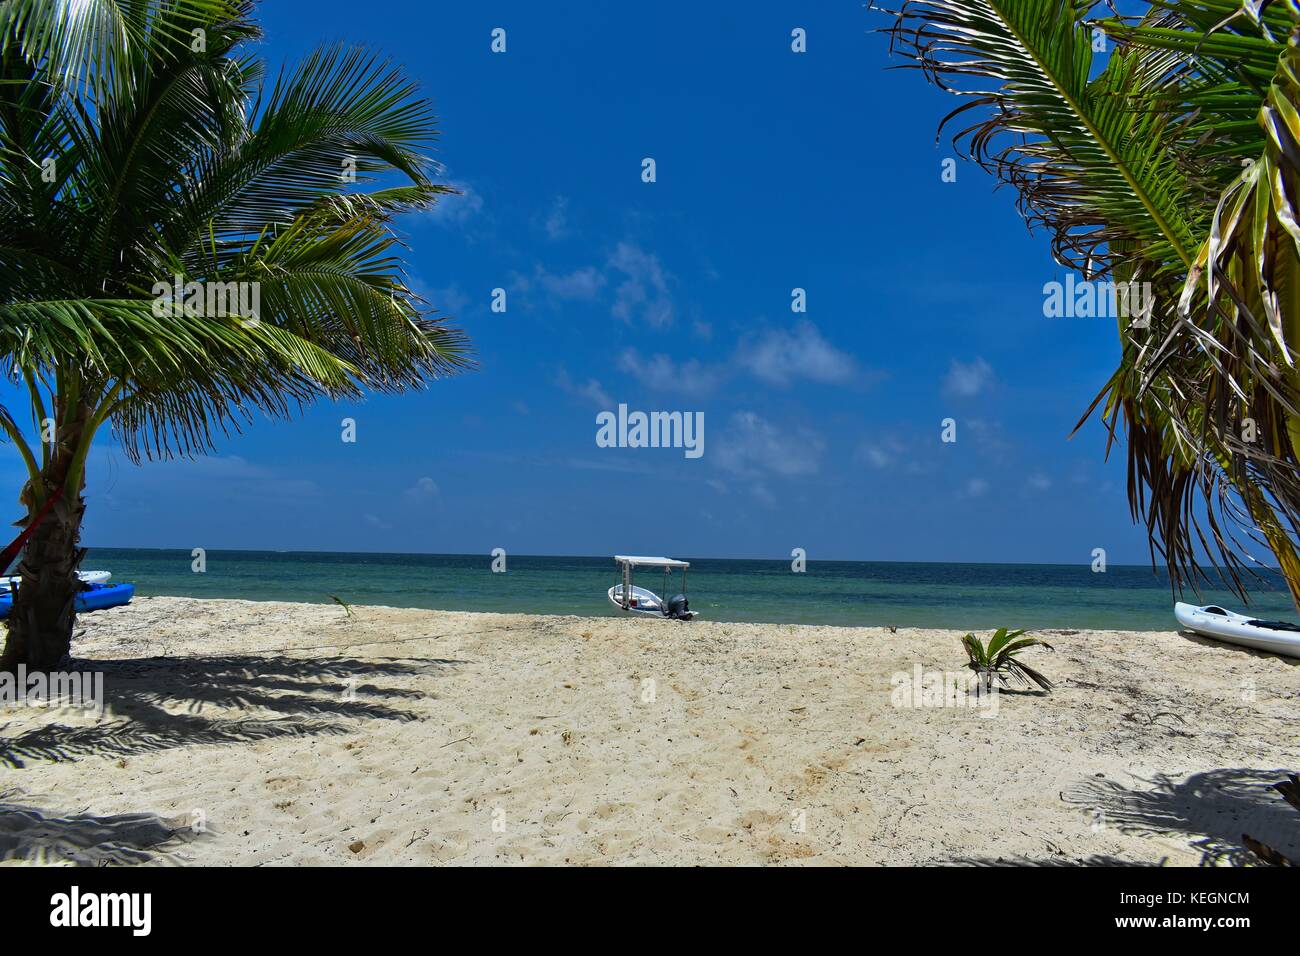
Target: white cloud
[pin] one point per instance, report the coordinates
(227, 467)
(591, 390)
(895, 454)
(967, 379)
(877, 457)
(423, 491)
(556, 225)
(778, 358)
(641, 286)
(643, 293)
(753, 446)
(976, 488)
(580, 284)
(456, 210)
(1039, 482)
(879, 453)
(783, 357)
(661, 374)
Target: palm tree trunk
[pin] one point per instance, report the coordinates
(40, 622)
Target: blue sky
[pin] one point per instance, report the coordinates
(775, 170)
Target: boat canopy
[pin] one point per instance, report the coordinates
(640, 561)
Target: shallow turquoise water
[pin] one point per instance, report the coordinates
(830, 592)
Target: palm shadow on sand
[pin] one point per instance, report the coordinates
(1215, 809)
(1064, 861)
(83, 839)
(159, 703)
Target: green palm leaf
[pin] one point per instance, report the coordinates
(999, 658)
(1093, 171)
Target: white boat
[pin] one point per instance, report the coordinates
(1278, 637)
(626, 596)
(87, 577)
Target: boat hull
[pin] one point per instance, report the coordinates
(97, 598)
(643, 601)
(1237, 629)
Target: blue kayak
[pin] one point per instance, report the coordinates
(96, 598)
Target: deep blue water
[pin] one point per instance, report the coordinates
(972, 596)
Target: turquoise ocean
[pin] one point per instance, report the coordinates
(854, 593)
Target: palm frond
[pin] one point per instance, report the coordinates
(89, 43)
(170, 164)
(999, 658)
(1135, 165)
(1084, 166)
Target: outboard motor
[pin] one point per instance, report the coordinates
(678, 607)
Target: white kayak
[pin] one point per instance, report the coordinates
(87, 577)
(1278, 637)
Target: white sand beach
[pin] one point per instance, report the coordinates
(296, 734)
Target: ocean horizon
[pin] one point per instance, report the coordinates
(842, 593)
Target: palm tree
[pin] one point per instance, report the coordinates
(999, 659)
(1171, 161)
(141, 156)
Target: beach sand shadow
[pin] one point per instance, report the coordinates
(1215, 808)
(288, 697)
(1063, 861)
(1194, 638)
(83, 839)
